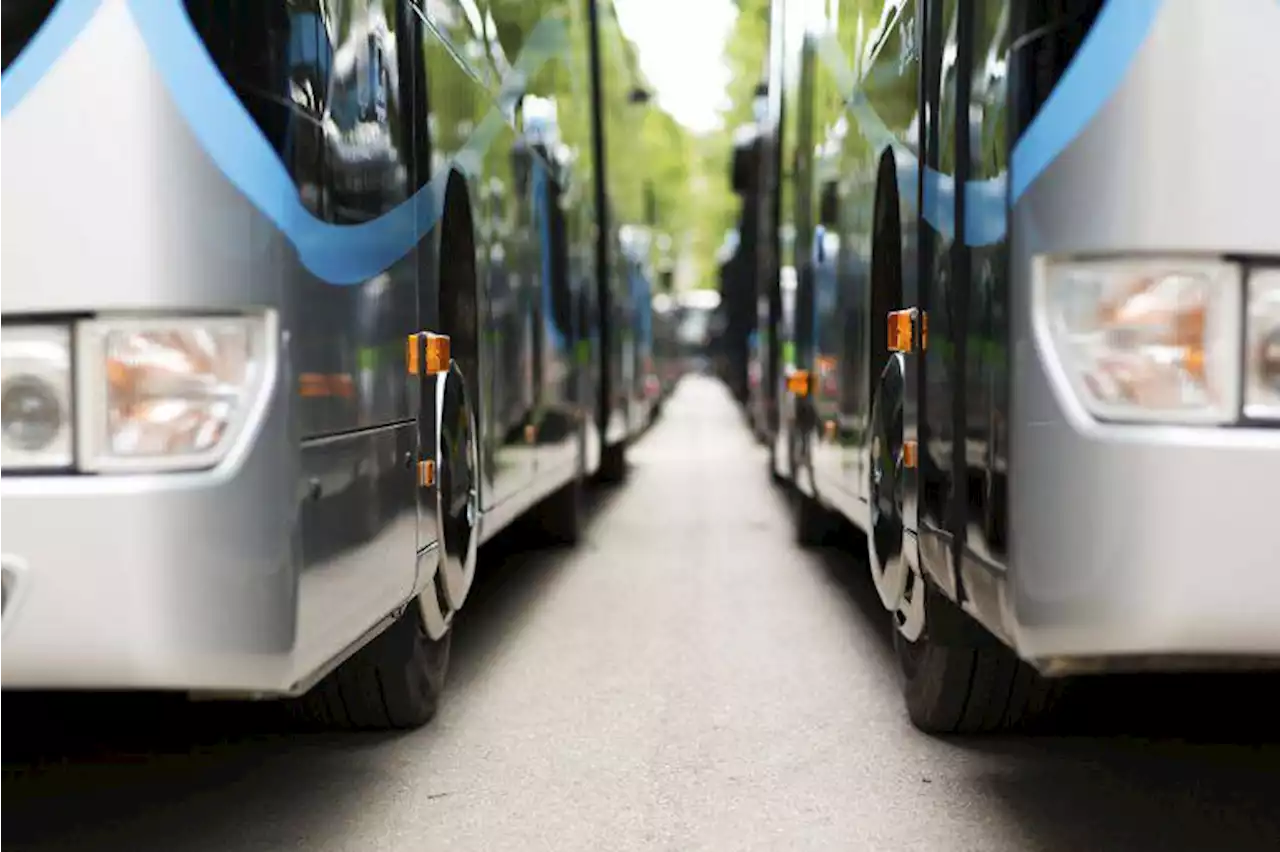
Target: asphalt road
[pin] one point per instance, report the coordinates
(686, 680)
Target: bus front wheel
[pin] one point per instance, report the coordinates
(394, 682)
(959, 679)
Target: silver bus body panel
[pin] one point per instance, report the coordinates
(196, 581)
(1150, 540)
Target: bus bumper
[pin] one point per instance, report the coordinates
(169, 582)
(1145, 548)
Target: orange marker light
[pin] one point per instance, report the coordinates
(924, 331)
(530, 433)
(909, 454)
(900, 331)
(829, 429)
(411, 348)
(426, 473)
(798, 383)
(437, 353)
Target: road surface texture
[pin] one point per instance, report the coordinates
(686, 680)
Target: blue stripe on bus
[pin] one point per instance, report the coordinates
(1090, 80)
(337, 254)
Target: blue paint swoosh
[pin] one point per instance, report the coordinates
(49, 42)
(1091, 79)
(337, 254)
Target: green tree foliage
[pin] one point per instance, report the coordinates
(745, 54)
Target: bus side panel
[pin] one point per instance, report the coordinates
(554, 181)
(868, 84)
(561, 384)
(460, 88)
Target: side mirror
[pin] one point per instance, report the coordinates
(829, 204)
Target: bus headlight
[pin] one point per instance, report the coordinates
(35, 398)
(168, 393)
(1146, 340)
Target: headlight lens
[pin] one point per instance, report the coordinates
(35, 398)
(1146, 341)
(165, 394)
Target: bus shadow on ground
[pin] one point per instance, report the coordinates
(1134, 762)
(1135, 767)
(139, 771)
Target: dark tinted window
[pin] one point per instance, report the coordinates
(277, 58)
(19, 20)
(1046, 36)
(323, 81)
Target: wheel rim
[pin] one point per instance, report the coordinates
(884, 544)
(457, 506)
(909, 618)
(456, 491)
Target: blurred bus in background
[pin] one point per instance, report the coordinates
(666, 356)
(695, 329)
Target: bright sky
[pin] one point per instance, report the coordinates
(681, 43)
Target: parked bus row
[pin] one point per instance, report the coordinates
(1019, 300)
(303, 301)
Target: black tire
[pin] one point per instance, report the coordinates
(559, 518)
(968, 682)
(613, 464)
(392, 683)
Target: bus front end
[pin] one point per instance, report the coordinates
(1145, 448)
(149, 465)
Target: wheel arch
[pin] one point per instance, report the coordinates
(458, 299)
